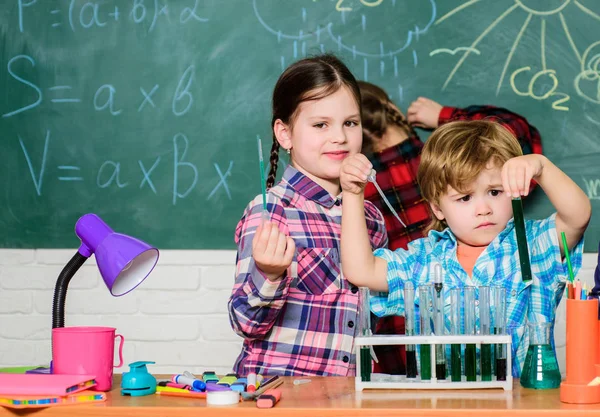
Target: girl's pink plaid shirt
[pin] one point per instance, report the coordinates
(305, 323)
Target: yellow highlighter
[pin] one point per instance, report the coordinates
(227, 380)
(170, 389)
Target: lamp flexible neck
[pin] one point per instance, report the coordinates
(60, 289)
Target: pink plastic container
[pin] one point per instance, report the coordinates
(86, 351)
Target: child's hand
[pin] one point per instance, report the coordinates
(354, 172)
(424, 113)
(518, 172)
(272, 250)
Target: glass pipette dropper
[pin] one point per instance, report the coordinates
(371, 178)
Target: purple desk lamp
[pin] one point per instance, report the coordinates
(124, 261)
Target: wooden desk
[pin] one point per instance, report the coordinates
(335, 396)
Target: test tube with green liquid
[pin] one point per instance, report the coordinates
(455, 348)
(425, 301)
(364, 329)
(470, 351)
(519, 221)
(409, 316)
(499, 296)
(484, 328)
(439, 321)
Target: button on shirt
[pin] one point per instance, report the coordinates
(299, 325)
(535, 300)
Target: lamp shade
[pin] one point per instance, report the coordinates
(123, 261)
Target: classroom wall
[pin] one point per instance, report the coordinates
(177, 317)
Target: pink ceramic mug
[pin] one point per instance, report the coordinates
(86, 351)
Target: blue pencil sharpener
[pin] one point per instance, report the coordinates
(138, 381)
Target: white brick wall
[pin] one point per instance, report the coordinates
(177, 317)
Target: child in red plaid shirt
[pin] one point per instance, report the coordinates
(394, 148)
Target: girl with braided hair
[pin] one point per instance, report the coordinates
(297, 313)
(393, 147)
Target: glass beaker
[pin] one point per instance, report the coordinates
(540, 370)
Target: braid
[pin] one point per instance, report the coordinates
(369, 138)
(396, 117)
(273, 162)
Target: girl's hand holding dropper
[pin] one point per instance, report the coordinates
(354, 173)
(518, 172)
(272, 250)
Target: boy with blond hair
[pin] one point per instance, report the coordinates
(469, 172)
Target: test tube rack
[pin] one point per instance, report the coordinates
(416, 383)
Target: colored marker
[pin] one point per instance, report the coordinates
(238, 386)
(251, 386)
(189, 394)
(187, 380)
(173, 385)
(212, 386)
(269, 398)
(170, 389)
(210, 376)
(227, 380)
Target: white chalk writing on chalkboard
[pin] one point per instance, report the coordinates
(326, 31)
(109, 173)
(592, 188)
(98, 14)
(547, 87)
(106, 95)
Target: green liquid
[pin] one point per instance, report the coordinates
(456, 363)
(486, 362)
(540, 370)
(365, 363)
(411, 362)
(425, 355)
(440, 362)
(471, 363)
(500, 369)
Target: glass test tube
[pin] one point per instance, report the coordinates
(425, 300)
(439, 321)
(470, 353)
(409, 315)
(455, 349)
(499, 294)
(364, 329)
(484, 327)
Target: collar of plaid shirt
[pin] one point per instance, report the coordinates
(308, 188)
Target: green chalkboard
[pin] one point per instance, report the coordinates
(146, 112)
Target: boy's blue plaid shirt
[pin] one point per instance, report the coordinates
(535, 300)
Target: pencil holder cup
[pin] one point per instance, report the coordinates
(86, 351)
(582, 353)
(598, 345)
